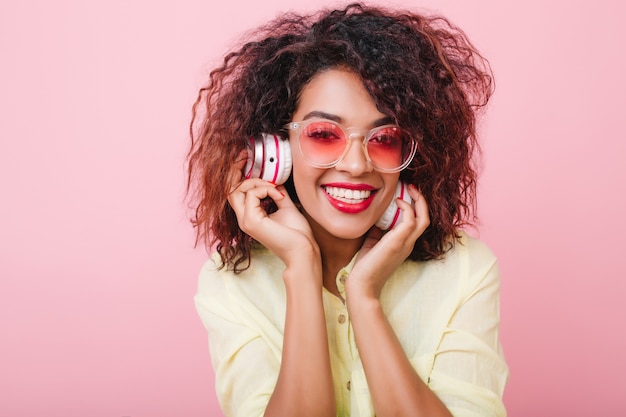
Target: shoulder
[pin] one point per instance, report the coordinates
(219, 285)
(475, 263)
(465, 265)
(475, 255)
(467, 253)
(261, 260)
(464, 251)
(470, 249)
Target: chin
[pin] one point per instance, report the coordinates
(347, 230)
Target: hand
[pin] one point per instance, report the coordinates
(285, 232)
(381, 254)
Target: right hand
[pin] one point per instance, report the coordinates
(285, 232)
(381, 254)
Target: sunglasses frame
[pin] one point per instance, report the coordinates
(350, 133)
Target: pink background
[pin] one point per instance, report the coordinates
(97, 263)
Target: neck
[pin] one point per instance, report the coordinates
(335, 252)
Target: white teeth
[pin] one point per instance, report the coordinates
(347, 195)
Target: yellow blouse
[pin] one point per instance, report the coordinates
(444, 312)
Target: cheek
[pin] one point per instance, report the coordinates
(304, 178)
(391, 180)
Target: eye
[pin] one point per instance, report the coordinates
(323, 132)
(390, 137)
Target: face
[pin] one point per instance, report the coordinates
(348, 198)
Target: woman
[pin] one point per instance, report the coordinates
(311, 308)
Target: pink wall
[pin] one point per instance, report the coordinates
(97, 267)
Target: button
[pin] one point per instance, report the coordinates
(348, 385)
(342, 279)
(342, 318)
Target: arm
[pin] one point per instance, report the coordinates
(304, 386)
(244, 344)
(395, 387)
(246, 339)
(468, 371)
(466, 368)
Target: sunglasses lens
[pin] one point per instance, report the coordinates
(386, 148)
(322, 143)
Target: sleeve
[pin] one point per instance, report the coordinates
(245, 363)
(469, 371)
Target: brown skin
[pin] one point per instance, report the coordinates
(314, 245)
(421, 71)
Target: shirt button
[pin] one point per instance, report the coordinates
(342, 318)
(342, 279)
(348, 385)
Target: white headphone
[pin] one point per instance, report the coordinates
(393, 214)
(269, 158)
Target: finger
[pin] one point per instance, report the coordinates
(236, 175)
(253, 219)
(252, 183)
(408, 212)
(421, 211)
(414, 216)
(239, 195)
(286, 201)
(254, 196)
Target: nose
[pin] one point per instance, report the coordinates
(354, 160)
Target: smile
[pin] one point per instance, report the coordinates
(349, 198)
(346, 195)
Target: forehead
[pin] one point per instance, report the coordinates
(340, 93)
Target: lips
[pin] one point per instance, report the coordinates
(349, 198)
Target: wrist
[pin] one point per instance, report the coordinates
(303, 270)
(359, 296)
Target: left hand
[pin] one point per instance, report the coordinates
(381, 254)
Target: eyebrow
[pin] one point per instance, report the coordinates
(338, 119)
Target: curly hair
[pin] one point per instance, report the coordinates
(420, 70)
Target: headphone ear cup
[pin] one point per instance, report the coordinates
(393, 214)
(269, 158)
(284, 165)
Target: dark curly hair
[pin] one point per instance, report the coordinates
(419, 69)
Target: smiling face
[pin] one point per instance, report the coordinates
(345, 200)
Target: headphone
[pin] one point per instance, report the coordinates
(269, 158)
